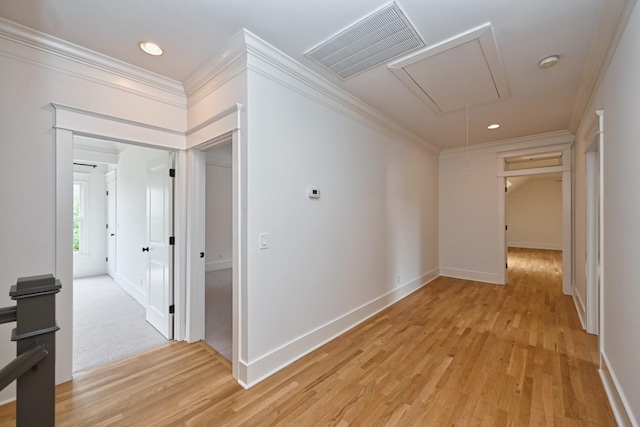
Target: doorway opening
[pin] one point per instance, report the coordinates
(556, 159)
(534, 226)
(122, 256)
(219, 248)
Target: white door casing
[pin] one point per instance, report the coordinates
(566, 170)
(159, 249)
(594, 269)
(68, 121)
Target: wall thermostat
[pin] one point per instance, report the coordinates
(314, 193)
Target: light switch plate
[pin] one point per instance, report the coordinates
(264, 240)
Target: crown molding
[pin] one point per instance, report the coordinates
(612, 21)
(217, 71)
(279, 67)
(26, 44)
(540, 140)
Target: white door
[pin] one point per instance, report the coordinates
(111, 225)
(160, 248)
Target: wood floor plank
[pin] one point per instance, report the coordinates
(455, 353)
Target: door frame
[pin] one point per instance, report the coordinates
(567, 197)
(68, 122)
(220, 129)
(595, 227)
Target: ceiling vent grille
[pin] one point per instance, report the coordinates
(372, 41)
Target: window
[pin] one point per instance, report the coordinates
(532, 161)
(80, 213)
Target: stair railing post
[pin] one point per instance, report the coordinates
(36, 326)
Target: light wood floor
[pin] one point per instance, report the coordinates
(453, 353)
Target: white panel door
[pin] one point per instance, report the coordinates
(111, 228)
(159, 249)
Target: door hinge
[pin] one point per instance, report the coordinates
(505, 189)
(172, 240)
(107, 192)
(107, 226)
(506, 227)
(171, 309)
(506, 266)
(172, 173)
(107, 259)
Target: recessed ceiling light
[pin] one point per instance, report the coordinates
(151, 48)
(493, 126)
(549, 61)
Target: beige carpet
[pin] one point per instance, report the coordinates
(218, 311)
(108, 324)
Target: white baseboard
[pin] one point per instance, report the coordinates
(89, 271)
(476, 276)
(131, 289)
(8, 395)
(219, 265)
(535, 245)
(617, 400)
(263, 367)
(582, 313)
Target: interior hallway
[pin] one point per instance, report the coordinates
(453, 353)
(218, 316)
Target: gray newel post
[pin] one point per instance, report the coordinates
(35, 327)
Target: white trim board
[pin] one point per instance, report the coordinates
(618, 401)
(535, 245)
(218, 265)
(611, 24)
(577, 301)
(276, 360)
(67, 122)
(273, 64)
(135, 292)
(522, 143)
(474, 276)
(90, 123)
(246, 51)
(28, 45)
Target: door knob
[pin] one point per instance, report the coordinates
(112, 234)
(145, 249)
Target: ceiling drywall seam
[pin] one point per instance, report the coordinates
(321, 90)
(612, 21)
(83, 63)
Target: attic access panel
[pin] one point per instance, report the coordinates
(463, 70)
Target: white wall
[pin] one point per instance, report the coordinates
(93, 263)
(335, 260)
(218, 217)
(619, 97)
(31, 79)
(468, 203)
(534, 214)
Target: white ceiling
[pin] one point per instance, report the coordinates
(194, 31)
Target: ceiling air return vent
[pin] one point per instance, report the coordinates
(372, 41)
